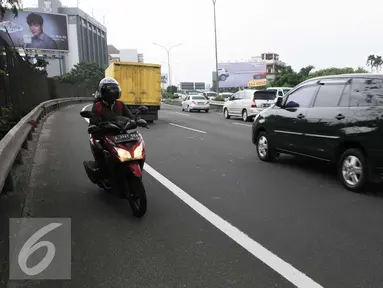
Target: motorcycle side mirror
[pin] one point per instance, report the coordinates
(86, 114)
(143, 108)
(142, 123)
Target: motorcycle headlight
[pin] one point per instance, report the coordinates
(138, 151)
(123, 154)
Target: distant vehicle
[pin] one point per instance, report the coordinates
(195, 103)
(248, 103)
(336, 119)
(280, 91)
(209, 95)
(223, 74)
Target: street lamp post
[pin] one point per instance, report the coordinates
(216, 51)
(168, 52)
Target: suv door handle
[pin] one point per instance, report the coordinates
(301, 116)
(340, 117)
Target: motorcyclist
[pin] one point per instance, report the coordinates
(105, 108)
(109, 91)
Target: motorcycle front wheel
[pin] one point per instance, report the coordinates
(137, 199)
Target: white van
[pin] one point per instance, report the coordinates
(248, 103)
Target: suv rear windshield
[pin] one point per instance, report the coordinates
(264, 95)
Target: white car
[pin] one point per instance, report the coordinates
(248, 103)
(280, 91)
(195, 103)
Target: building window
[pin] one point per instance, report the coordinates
(72, 17)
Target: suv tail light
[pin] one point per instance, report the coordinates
(193, 102)
(254, 105)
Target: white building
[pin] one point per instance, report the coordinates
(272, 63)
(124, 55)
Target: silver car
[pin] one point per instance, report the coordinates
(195, 103)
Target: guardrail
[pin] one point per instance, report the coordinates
(17, 138)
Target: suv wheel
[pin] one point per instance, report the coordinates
(244, 115)
(264, 151)
(352, 169)
(226, 113)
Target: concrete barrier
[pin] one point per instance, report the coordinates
(17, 138)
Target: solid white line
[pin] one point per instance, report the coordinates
(274, 262)
(247, 125)
(187, 128)
(286, 270)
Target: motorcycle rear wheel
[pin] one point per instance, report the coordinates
(137, 199)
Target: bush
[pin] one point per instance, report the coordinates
(171, 96)
(219, 98)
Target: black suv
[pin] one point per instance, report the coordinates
(337, 119)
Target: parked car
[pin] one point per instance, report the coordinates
(248, 103)
(195, 103)
(280, 91)
(338, 119)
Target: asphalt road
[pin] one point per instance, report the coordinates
(294, 208)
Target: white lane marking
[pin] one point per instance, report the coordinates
(274, 262)
(187, 128)
(242, 124)
(286, 270)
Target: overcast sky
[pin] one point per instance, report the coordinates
(321, 33)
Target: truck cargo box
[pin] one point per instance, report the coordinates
(140, 84)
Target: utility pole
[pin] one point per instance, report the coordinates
(216, 50)
(168, 52)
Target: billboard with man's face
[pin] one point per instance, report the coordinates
(35, 30)
(242, 74)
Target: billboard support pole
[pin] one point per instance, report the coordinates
(216, 51)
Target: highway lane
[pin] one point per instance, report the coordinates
(294, 208)
(172, 246)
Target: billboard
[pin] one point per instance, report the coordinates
(35, 31)
(242, 74)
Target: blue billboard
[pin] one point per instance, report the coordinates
(241, 74)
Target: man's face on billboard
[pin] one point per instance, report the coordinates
(36, 29)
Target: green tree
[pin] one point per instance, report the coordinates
(88, 74)
(13, 5)
(287, 77)
(374, 61)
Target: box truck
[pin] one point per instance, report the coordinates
(140, 84)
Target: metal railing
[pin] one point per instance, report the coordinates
(17, 138)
